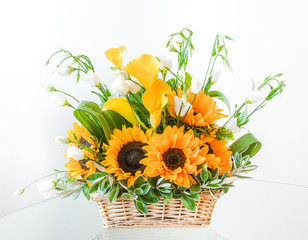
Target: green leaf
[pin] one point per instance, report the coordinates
(154, 192)
(94, 187)
(77, 193)
(148, 199)
(113, 195)
(224, 134)
(85, 190)
(204, 175)
(151, 181)
(164, 185)
(138, 191)
(126, 196)
(188, 79)
(166, 200)
(131, 189)
(193, 196)
(195, 188)
(220, 96)
(141, 206)
(94, 176)
(247, 144)
(242, 118)
(214, 186)
(215, 181)
(215, 173)
(225, 190)
(226, 37)
(139, 181)
(190, 204)
(145, 188)
(166, 194)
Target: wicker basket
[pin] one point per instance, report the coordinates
(123, 214)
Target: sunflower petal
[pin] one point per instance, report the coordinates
(145, 68)
(121, 106)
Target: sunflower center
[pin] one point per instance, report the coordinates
(130, 156)
(174, 158)
(83, 164)
(84, 142)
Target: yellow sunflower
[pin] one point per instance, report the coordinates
(124, 152)
(173, 155)
(84, 138)
(203, 111)
(82, 168)
(217, 155)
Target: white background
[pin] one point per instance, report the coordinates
(270, 37)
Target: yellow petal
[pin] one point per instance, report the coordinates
(121, 106)
(115, 56)
(145, 68)
(154, 99)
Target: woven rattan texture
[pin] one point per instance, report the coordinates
(123, 214)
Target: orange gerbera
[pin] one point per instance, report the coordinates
(83, 137)
(82, 168)
(217, 155)
(124, 152)
(173, 155)
(203, 111)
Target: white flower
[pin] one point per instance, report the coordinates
(196, 86)
(215, 75)
(180, 109)
(49, 88)
(122, 74)
(58, 99)
(63, 70)
(62, 140)
(254, 96)
(92, 78)
(165, 61)
(75, 152)
(232, 126)
(46, 187)
(122, 87)
(18, 192)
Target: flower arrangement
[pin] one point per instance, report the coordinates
(155, 133)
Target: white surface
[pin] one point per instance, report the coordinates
(254, 210)
(271, 37)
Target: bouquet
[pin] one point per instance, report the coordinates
(155, 133)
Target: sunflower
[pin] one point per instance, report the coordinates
(82, 168)
(217, 155)
(84, 139)
(203, 111)
(124, 152)
(173, 155)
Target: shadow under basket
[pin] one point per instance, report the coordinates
(123, 214)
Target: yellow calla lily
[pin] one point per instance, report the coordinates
(145, 68)
(121, 106)
(154, 99)
(115, 56)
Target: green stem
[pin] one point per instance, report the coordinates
(67, 95)
(69, 105)
(257, 108)
(239, 109)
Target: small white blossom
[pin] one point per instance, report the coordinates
(58, 99)
(254, 97)
(49, 88)
(122, 74)
(180, 109)
(62, 140)
(165, 61)
(18, 192)
(46, 187)
(215, 75)
(63, 70)
(232, 126)
(196, 86)
(93, 79)
(122, 87)
(75, 152)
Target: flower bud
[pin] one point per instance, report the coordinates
(63, 70)
(232, 126)
(49, 88)
(122, 74)
(165, 61)
(59, 99)
(18, 192)
(254, 97)
(62, 140)
(180, 109)
(215, 75)
(93, 79)
(74, 152)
